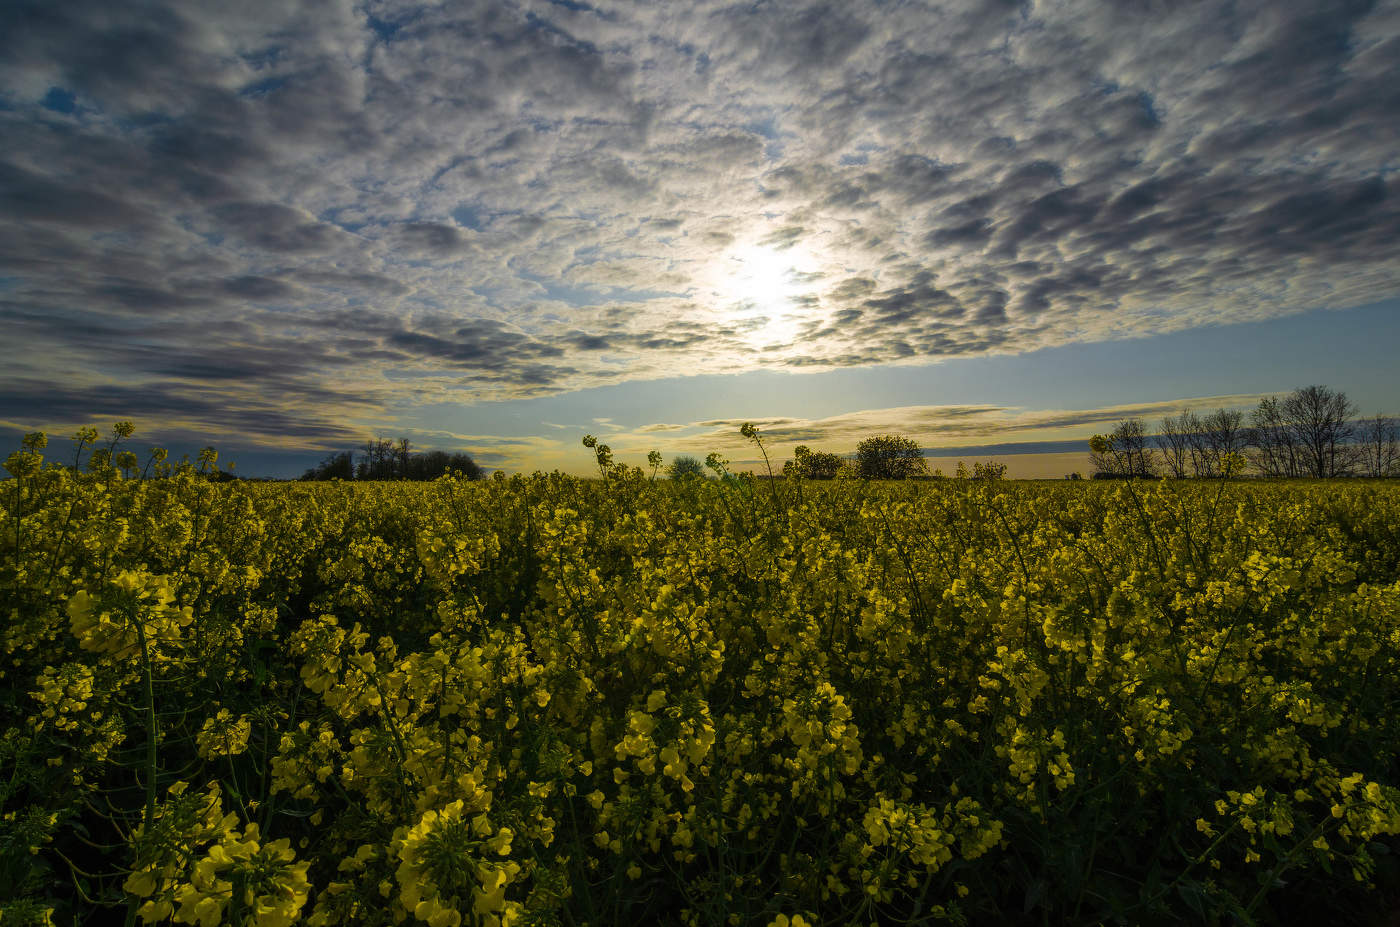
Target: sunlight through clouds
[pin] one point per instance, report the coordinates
(762, 288)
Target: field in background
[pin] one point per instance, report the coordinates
(550, 700)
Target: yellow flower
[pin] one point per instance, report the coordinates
(223, 735)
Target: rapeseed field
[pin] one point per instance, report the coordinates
(549, 700)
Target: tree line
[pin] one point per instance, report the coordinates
(383, 459)
(879, 457)
(1313, 431)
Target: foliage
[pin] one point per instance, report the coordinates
(337, 466)
(559, 701)
(683, 466)
(889, 457)
(808, 464)
(990, 470)
(385, 460)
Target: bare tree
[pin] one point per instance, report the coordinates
(1380, 446)
(1198, 447)
(377, 461)
(1222, 438)
(1125, 452)
(1276, 452)
(1320, 420)
(1131, 436)
(1174, 443)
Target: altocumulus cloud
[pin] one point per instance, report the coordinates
(328, 210)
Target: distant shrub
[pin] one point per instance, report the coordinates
(685, 466)
(813, 465)
(889, 457)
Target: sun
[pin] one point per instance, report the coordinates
(760, 287)
(762, 278)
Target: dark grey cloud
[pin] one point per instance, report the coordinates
(28, 196)
(257, 289)
(210, 410)
(101, 53)
(277, 228)
(481, 344)
(920, 299)
(376, 284)
(429, 238)
(422, 202)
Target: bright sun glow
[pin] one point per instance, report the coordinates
(761, 284)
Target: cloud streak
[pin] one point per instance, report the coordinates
(982, 430)
(335, 213)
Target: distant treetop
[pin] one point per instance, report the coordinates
(889, 457)
(383, 459)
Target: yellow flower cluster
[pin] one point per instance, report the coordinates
(63, 693)
(223, 735)
(242, 881)
(237, 879)
(450, 861)
(136, 612)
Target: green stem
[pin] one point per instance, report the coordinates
(150, 707)
(18, 519)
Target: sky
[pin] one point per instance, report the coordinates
(284, 228)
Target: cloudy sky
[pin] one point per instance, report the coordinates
(282, 228)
